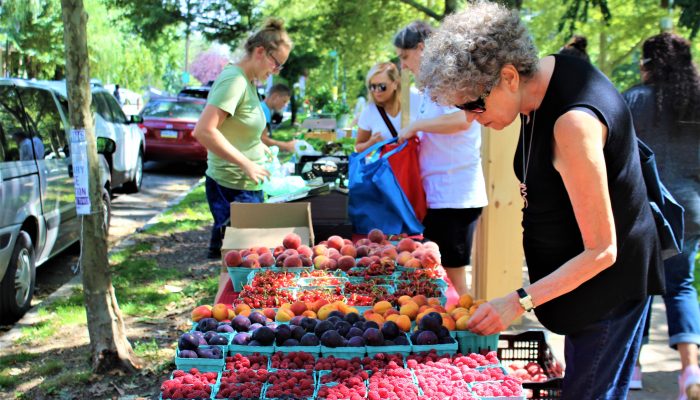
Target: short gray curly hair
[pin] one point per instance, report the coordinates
(464, 57)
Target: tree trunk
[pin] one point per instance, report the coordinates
(109, 345)
(293, 105)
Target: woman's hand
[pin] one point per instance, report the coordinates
(254, 171)
(496, 315)
(376, 138)
(407, 133)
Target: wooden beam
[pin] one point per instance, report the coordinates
(405, 98)
(498, 260)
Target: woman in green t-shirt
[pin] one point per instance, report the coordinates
(230, 128)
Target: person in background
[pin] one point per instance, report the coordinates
(29, 149)
(117, 95)
(384, 84)
(276, 100)
(576, 47)
(450, 163)
(666, 113)
(590, 241)
(360, 104)
(230, 127)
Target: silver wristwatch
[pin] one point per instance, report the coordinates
(525, 300)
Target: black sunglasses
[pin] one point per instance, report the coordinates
(278, 66)
(477, 106)
(377, 87)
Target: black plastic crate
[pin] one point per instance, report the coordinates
(531, 346)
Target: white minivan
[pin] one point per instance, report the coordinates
(37, 198)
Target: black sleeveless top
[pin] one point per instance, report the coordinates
(551, 235)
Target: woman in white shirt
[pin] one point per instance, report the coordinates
(384, 85)
(450, 158)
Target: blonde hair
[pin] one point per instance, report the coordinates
(391, 71)
(270, 36)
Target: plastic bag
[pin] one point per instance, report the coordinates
(304, 148)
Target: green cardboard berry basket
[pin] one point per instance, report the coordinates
(218, 388)
(245, 350)
(268, 385)
(343, 352)
(472, 343)
(239, 276)
(311, 282)
(202, 364)
(320, 374)
(313, 350)
(440, 349)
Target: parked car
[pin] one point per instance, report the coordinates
(38, 216)
(200, 92)
(168, 123)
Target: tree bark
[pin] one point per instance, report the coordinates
(110, 348)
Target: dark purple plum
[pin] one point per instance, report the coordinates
(322, 327)
(207, 324)
(309, 339)
(431, 322)
(373, 337)
(371, 324)
(343, 327)
(188, 341)
(331, 338)
(241, 338)
(351, 318)
(309, 324)
(264, 335)
(282, 333)
(296, 320)
(290, 342)
(356, 341)
(226, 328)
(218, 340)
(255, 326)
(188, 354)
(426, 338)
(390, 330)
(257, 318)
(241, 323)
(401, 340)
(354, 332)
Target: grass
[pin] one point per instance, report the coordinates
(56, 384)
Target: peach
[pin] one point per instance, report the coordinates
(413, 263)
(245, 253)
(305, 250)
(266, 260)
(348, 250)
(362, 251)
(404, 323)
(233, 258)
(269, 313)
(381, 307)
(376, 236)
(298, 307)
(450, 308)
(431, 246)
(319, 260)
(200, 312)
(291, 252)
(334, 254)
(291, 241)
(389, 252)
(465, 301)
(253, 256)
(433, 301)
(362, 242)
(292, 262)
(336, 242)
(277, 251)
(320, 250)
(430, 259)
(219, 312)
(406, 245)
(250, 263)
(348, 241)
(330, 265)
(367, 313)
(439, 308)
(364, 262)
(403, 257)
(306, 261)
(346, 262)
(262, 250)
(461, 323)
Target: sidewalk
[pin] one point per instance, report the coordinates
(660, 364)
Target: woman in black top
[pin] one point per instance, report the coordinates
(589, 237)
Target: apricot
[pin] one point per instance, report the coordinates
(381, 307)
(376, 318)
(342, 307)
(461, 324)
(439, 309)
(404, 323)
(286, 305)
(325, 310)
(284, 315)
(219, 312)
(434, 301)
(420, 300)
(231, 314)
(410, 309)
(480, 302)
(404, 299)
(309, 313)
(318, 304)
(450, 308)
(448, 322)
(391, 311)
(298, 308)
(391, 317)
(241, 307)
(465, 301)
(269, 313)
(200, 312)
(353, 310)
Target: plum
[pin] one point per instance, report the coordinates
(356, 341)
(290, 342)
(207, 324)
(373, 337)
(282, 333)
(334, 319)
(351, 318)
(360, 325)
(443, 332)
(390, 330)
(264, 335)
(209, 352)
(322, 327)
(309, 324)
(331, 338)
(241, 323)
(254, 343)
(208, 335)
(218, 340)
(187, 354)
(225, 328)
(271, 325)
(389, 343)
(446, 340)
(401, 340)
(188, 341)
(257, 318)
(426, 338)
(343, 327)
(255, 326)
(298, 332)
(353, 332)
(431, 322)
(309, 339)
(371, 324)
(296, 320)
(241, 338)
(338, 314)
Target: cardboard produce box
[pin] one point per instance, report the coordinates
(266, 224)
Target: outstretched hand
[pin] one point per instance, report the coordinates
(496, 315)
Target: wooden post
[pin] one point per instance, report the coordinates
(499, 255)
(405, 98)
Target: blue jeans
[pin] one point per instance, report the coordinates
(681, 298)
(600, 358)
(220, 199)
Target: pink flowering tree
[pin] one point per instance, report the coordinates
(207, 65)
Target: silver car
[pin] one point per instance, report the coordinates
(38, 217)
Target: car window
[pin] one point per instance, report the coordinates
(173, 109)
(116, 110)
(49, 133)
(99, 105)
(12, 126)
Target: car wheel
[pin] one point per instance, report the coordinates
(106, 208)
(17, 287)
(134, 185)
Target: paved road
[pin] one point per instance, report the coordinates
(162, 182)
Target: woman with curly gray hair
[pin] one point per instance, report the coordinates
(589, 236)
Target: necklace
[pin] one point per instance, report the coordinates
(526, 160)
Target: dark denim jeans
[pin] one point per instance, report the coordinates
(600, 358)
(220, 199)
(681, 298)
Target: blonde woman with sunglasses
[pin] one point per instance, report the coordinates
(384, 87)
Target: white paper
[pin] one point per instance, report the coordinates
(79, 159)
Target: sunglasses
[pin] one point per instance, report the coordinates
(278, 66)
(377, 87)
(477, 106)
